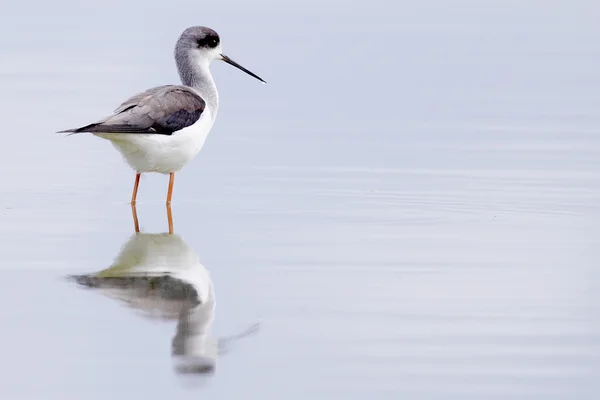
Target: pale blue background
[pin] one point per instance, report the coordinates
(410, 206)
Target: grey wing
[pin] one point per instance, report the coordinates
(161, 110)
(135, 99)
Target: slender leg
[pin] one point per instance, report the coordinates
(135, 188)
(170, 192)
(135, 219)
(170, 218)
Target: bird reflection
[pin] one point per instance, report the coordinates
(136, 224)
(161, 276)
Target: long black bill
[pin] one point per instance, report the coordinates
(231, 62)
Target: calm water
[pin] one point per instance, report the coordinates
(408, 209)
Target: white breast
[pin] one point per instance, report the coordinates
(162, 153)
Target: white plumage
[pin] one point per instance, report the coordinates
(160, 153)
(163, 128)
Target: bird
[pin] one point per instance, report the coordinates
(162, 128)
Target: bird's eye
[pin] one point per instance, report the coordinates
(212, 42)
(208, 42)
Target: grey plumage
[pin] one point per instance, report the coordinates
(159, 110)
(170, 108)
(190, 72)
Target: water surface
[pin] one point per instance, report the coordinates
(409, 208)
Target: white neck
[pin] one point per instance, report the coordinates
(195, 72)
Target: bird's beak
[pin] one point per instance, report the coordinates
(231, 62)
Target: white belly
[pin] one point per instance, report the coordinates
(161, 153)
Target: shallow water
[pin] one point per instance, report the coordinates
(409, 208)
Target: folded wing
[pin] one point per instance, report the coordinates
(161, 110)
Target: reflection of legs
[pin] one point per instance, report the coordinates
(135, 219)
(135, 188)
(170, 192)
(170, 218)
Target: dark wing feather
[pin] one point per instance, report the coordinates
(160, 110)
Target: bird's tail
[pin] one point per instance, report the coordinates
(69, 131)
(82, 129)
